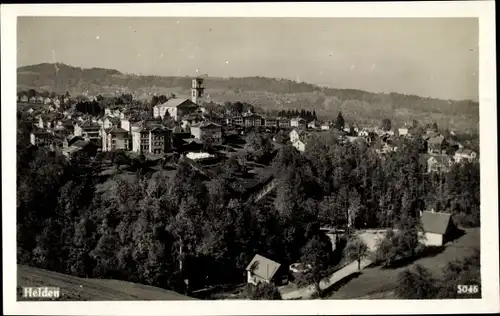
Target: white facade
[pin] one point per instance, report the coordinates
(255, 279)
(431, 239)
(403, 131)
(136, 141)
(294, 136)
(198, 131)
(125, 124)
(465, 156)
(325, 127)
(300, 145)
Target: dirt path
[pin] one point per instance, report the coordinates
(307, 292)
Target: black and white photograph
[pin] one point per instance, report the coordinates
(168, 158)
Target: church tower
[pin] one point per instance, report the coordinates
(196, 89)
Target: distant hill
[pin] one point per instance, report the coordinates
(268, 93)
(80, 289)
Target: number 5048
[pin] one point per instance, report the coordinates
(467, 289)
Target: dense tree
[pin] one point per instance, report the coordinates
(162, 99)
(462, 272)
(386, 124)
(357, 250)
(157, 227)
(258, 147)
(339, 123)
(317, 254)
(263, 291)
(416, 283)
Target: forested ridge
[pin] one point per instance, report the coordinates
(266, 93)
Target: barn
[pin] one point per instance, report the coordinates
(438, 228)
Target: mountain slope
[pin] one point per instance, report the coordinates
(267, 93)
(74, 288)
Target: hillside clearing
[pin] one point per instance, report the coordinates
(80, 289)
(378, 282)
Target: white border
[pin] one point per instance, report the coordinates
(484, 10)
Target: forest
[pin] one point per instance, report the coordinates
(159, 228)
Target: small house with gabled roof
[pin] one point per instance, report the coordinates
(264, 270)
(438, 228)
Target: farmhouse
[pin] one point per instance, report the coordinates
(438, 228)
(263, 270)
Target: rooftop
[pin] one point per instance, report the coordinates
(434, 222)
(263, 267)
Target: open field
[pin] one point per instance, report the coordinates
(379, 283)
(74, 288)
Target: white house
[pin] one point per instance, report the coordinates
(464, 154)
(325, 126)
(403, 131)
(313, 124)
(298, 122)
(438, 228)
(300, 145)
(263, 270)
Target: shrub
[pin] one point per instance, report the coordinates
(263, 291)
(417, 283)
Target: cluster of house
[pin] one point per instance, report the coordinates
(52, 103)
(121, 129)
(437, 230)
(182, 123)
(437, 158)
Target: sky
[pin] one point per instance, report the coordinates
(430, 57)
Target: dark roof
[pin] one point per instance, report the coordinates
(80, 143)
(438, 140)
(263, 267)
(173, 103)
(40, 133)
(159, 128)
(193, 140)
(116, 129)
(434, 222)
(205, 124)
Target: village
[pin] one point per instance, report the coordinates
(184, 125)
(202, 136)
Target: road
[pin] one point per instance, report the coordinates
(307, 292)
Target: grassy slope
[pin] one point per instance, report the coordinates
(74, 288)
(375, 283)
(268, 93)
